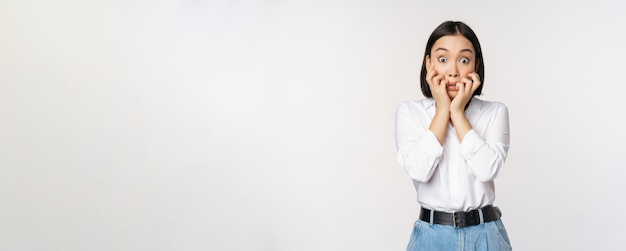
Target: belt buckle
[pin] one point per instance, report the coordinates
(458, 219)
(454, 220)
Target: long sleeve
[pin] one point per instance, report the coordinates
(485, 154)
(419, 151)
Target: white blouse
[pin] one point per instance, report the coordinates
(457, 176)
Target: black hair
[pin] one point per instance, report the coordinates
(453, 28)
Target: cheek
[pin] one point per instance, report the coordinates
(439, 67)
(467, 70)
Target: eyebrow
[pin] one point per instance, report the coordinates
(463, 50)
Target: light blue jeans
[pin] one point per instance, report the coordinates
(433, 237)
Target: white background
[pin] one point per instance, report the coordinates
(269, 125)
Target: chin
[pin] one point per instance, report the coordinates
(452, 94)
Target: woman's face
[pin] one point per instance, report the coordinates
(453, 57)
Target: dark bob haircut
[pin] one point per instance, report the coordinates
(453, 28)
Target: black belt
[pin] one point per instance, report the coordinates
(461, 219)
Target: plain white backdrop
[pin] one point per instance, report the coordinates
(269, 125)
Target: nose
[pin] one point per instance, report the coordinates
(453, 74)
(453, 70)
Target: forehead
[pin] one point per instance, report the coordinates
(453, 43)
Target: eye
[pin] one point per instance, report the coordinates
(442, 59)
(464, 60)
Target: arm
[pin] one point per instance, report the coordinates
(437, 85)
(486, 155)
(419, 151)
(439, 125)
(465, 88)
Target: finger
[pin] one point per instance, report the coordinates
(429, 79)
(444, 83)
(436, 80)
(476, 80)
(474, 77)
(432, 71)
(467, 83)
(461, 86)
(429, 74)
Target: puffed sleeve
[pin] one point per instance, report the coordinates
(419, 151)
(485, 154)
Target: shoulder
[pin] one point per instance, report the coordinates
(484, 104)
(422, 104)
(490, 106)
(413, 111)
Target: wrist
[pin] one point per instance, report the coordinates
(457, 107)
(442, 105)
(457, 113)
(442, 111)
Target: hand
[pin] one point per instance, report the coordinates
(465, 88)
(437, 85)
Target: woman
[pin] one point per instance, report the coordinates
(453, 145)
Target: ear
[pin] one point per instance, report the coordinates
(427, 60)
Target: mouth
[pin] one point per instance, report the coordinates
(451, 86)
